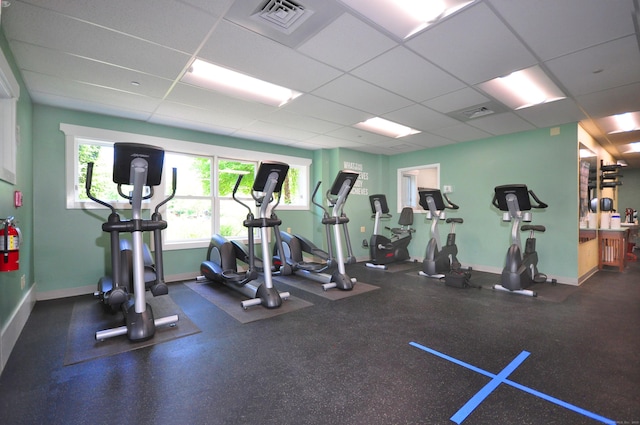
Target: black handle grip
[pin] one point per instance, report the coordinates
(87, 183)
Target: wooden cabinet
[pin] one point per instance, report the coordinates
(612, 245)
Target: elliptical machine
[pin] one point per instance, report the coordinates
(331, 270)
(384, 250)
(221, 264)
(133, 269)
(521, 269)
(439, 260)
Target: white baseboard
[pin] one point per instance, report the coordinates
(12, 330)
(90, 289)
(64, 293)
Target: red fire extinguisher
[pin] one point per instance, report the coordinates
(10, 240)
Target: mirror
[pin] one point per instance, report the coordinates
(588, 190)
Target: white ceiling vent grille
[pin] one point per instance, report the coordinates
(477, 111)
(283, 15)
(289, 22)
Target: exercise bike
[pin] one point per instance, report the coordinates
(330, 270)
(521, 269)
(438, 259)
(134, 271)
(384, 250)
(223, 256)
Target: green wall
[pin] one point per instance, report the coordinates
(71, 249)
(546, 164)
(629, 192)
(11, 291)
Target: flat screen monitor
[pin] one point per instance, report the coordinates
(435, 194)
(344, 175)
(519, 190)
(125, 153)
(265, 170)
(382, 199)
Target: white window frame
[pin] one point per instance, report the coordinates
(409, 180)
(75, 134)
(9, 95)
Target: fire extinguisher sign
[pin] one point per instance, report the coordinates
(9, 246)
(12, 241)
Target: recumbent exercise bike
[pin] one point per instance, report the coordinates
(384, 250)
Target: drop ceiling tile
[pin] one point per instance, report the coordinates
(305, 122)
(456, 100)
(427, 140)
(217, 102)
(278, 131)
(190, 122)
(554, 28)
(92, 106)
(403, 72)
(70, 67)
(498, 124)
(88, 93)
(242, 50)
(461, 133)
(475, 46)
(360, 136)
(219, 118)
(612, 101)
(146, 19)
(350, 91)
(598, 68)
(550, 114)
(215, 8)
(260, 137)
(420, 117)
(325, 110)
(57, 32)
(329, 142)
(346, 43)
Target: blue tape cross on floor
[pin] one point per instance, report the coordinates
(501, 378)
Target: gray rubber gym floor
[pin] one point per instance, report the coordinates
(411, 352)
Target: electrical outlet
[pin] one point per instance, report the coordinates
(448, 188)
(288, 229)
(23, 281)
(362, 229)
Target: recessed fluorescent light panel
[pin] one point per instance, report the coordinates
(523, 89)
(404, 18)
(232, 83)
(386, 128)
(634, 147)
(620, 123)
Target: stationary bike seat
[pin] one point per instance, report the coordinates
(535, 228)
(454, 220)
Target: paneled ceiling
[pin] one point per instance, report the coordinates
(126, 58)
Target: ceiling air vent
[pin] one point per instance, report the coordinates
(477, 112)
(283, 15)
(289, 22)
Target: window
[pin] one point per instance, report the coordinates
(9, 94)
(412, 178)
(190, 211)
(206, 175)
